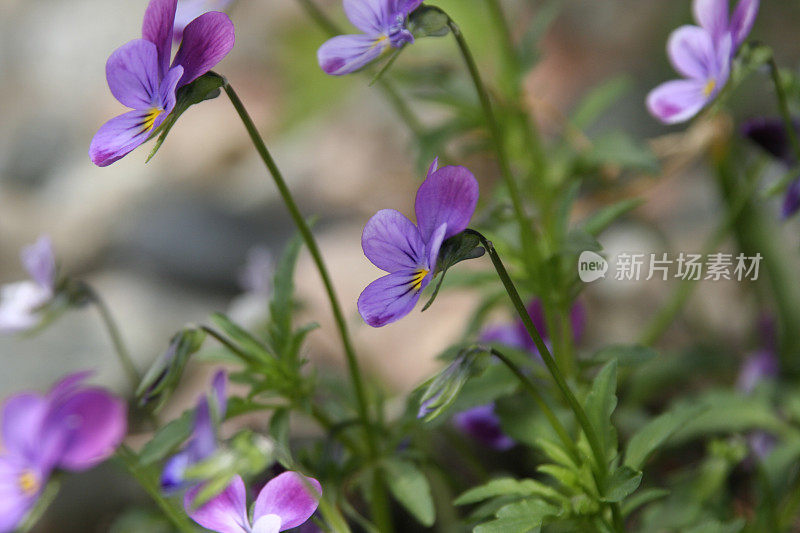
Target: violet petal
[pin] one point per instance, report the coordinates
(40, 262)
(226, 513)
(392, 242)
(742, 21)
(206, 41)
(291, 496)
(391, 297)
(712, 15)
(373, 17)
(119, 136)
(345, 54)
(677, 100)
(448, 196)
(132, 74)
(159, 21)
(691, 52)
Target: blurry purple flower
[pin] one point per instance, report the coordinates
(516, 336)
(761, 444)
(703, 56)
(444, 205)
(286, 502)
(770, 134)
(140, 76)
(482, 424)
(188, 10)
(759, 367)
(73, 427)
(384, 25)
(204, 438)
(20, 302)
(791, 200)
(251, 307)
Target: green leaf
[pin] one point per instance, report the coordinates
(647, 440)
(600, 404)
(623, 482)
(624, 355)
(620, 150)
(167, 439)
(643, 497)
(252, 348)
(282, 303)
(507, 487)
(599, 100)
(602, 219)
(203, 88)
(454, 250)
(410, 487)
(519, 517)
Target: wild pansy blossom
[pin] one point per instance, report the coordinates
(204, 438)
(286, 502)
(444, 206)
(703, 55)
(72, 427)
(140, 76)
(384, 25)
(481, 423)
(21, 302)
(770, 134)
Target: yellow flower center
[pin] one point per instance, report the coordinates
(419, 275)
(710, 86)
(28, 483)
(150, 118)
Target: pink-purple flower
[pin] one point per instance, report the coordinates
(73, 427)
(141, 77)
(384, 25)
(702, 55)
(203, 442)
(286, 502)
(21, 303)
(444, 206)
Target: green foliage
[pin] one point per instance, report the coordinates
(410, 487)
(600, 404)
(457, 248)
(167, 439)
(442, 390)
(653, 434)
(165, 373)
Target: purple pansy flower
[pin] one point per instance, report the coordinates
(384, 25)
(188, 10)
(286, 502)
(73, 427)
(20, 302)
(770, 134)
(757, 368)
(481, 423)
(703, 55)
(140, 76)
(204, 438)
(444, 205)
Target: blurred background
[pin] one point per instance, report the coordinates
(165, 243)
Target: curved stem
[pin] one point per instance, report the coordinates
(116, 337)
(783, 107)
(552, 367)
(131, 461)
(531, 389)
(526, 231)
(381, 507)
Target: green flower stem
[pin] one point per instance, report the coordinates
(525, 228)
(555, 372)
(380, 502)
(783, 107)
(113, 331)
(530, 388)
(150, 485)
